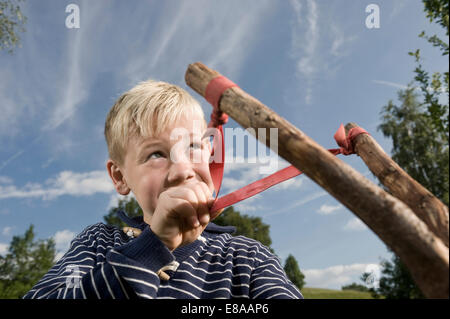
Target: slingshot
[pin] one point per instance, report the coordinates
(411, 221)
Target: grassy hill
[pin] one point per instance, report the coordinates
(320, 293)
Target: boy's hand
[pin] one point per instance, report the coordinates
(182, 214)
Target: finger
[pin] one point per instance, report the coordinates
(202, 208)
(185, 193)
(185, 209)
(186, 214)
(208, 194)
(209, 198)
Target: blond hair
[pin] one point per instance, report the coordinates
(145, 111)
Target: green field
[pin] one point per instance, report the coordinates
(319, 293)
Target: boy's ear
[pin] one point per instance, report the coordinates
(117, 178)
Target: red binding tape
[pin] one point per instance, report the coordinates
(215, 89)
(346, 142)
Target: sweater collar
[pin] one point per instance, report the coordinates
(138, 222)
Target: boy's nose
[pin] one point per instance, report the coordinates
(180, 172)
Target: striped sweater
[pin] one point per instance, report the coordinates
(103, 262)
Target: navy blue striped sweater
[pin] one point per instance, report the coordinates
(103, 262)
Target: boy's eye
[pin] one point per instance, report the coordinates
(157, 154)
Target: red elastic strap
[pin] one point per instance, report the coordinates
(255, 188)
(213, 93)
(346, 143)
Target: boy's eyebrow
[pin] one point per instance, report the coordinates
(144, 144)
(148, 144)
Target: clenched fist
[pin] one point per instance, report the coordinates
(182, 213)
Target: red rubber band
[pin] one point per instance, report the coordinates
(213, 93)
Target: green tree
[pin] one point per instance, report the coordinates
(293, 272)
(12, 22)
(128, 205)
(420, 135)
(395, 281)
(432, 87)
(418, 148)
(251, 227)
(26, 262)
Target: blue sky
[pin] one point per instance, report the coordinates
(313, 62)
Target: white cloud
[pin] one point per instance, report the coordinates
(335, 277)
(355, 224)
(63, 238)
(5, 180)
(114, 199)
(62, 242)
(328, 209)
(3, 248)
(66, 183)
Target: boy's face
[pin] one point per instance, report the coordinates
(152, 165)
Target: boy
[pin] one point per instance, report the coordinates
(173, 251)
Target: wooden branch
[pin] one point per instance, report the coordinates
(424, 204)
(422, 252)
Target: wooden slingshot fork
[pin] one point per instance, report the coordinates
(411, 221)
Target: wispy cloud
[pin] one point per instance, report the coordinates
(398, 7)
(52, 91)
(65, 183)
(306, 56)
(391, 84)
(222, 41)
(340, 45)
(329, 209)
(291, 208)
(316, 48)
(249, 205)
(354, 224)
(10, 109)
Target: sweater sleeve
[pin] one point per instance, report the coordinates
(269, 280)
(127, 271)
